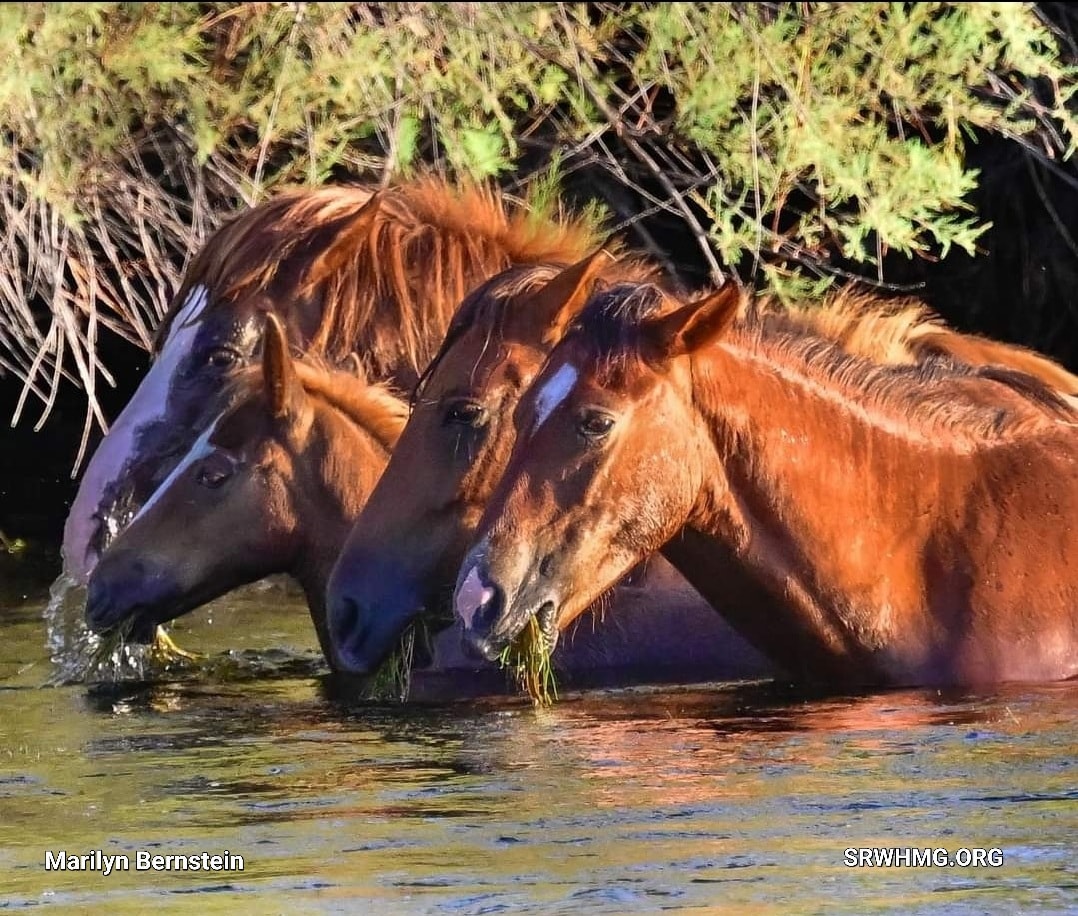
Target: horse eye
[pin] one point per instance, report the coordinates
(222, 357)
(465, 413)
(594, 426)
(212, 478)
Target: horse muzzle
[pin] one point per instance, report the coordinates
(490, 623)
(122, 590)
(367, 612)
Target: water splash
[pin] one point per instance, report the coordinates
(79, 655)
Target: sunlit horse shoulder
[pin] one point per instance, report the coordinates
(346, 270)
(406, 548)
(890, 524)
(274, 486)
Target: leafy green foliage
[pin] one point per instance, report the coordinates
(803, 133)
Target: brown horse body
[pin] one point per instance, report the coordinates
(884, 524)
(347, 272)
(408, 545)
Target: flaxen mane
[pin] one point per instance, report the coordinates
(430, 244)
(611, 325)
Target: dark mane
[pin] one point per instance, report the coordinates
(611, 320)
(431, 243)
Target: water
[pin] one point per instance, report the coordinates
(720, 798)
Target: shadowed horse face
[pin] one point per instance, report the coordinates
(213, 333)
(271, 486)
(605, 471)
(404, 552)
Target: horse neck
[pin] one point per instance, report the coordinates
(334, 476)
(808, 487)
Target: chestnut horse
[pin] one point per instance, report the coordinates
(274, 486)
(347, 271)
(891, 525)
(410, 540)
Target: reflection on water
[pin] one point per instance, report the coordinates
(721, 799)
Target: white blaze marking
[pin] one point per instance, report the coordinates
(201, 449)
(147, 405)
(553, 393)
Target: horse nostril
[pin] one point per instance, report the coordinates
(349, 634)
(478, 602)
(546, 568)
(346, 621)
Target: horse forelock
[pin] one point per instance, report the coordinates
(610, 323)
(494, 307)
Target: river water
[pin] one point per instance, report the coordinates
(725, 798)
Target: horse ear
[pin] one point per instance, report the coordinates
(342, 249)
(559, 301)
(283, 387)
(695, 325)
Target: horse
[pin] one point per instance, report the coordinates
(412, 535)
(348, 270)
(273, 487)
(887, 525)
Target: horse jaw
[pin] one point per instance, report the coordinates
(89, 523)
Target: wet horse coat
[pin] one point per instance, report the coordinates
(887, 524)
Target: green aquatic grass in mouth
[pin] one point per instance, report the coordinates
(528, 657)
(393, 679)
